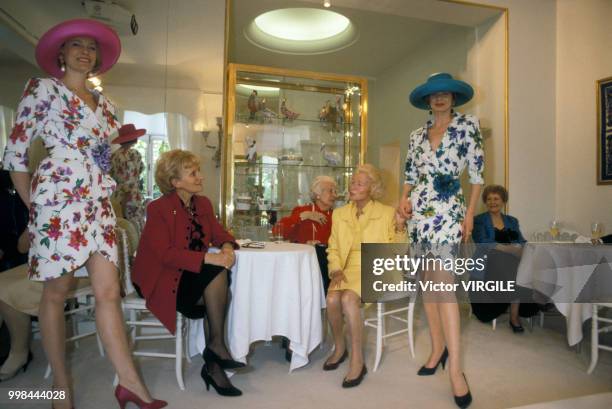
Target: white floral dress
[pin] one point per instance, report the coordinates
(438, 203)
(71, 215)
(126, 167)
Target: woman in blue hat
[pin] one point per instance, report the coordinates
(437, 155)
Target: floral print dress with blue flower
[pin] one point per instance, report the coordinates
(438, 203)
(71, 215)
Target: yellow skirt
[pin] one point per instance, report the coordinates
(352, 271)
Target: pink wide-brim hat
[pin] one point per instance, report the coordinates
(128, 133)
(48, 47)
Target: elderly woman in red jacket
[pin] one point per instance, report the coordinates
(311, 223)
(173, 270)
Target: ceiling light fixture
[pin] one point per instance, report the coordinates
(301, 31)
(258, 87)
(327, 4)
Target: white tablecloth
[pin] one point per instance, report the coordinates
(561, 271)
(277, 290)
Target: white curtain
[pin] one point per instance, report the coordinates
(7, 121)
(180, 133)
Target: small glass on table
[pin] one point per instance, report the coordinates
(554, 230)
(596, 231)
(278, 231)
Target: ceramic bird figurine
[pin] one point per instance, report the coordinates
(332, 158)
(287, 113)
(268, 114)
(253, 104)
(251, 152)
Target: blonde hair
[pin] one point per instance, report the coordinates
(377, 188)
(315, 187)
(170, 165)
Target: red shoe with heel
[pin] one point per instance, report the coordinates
(124, 396)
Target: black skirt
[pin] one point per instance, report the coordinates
(189, 297)
(502, 266)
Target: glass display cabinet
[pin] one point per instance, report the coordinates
(284, 129)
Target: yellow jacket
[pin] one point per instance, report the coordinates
(380, 228)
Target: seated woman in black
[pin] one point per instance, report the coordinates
(503, 259)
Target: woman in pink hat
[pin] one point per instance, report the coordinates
(126, 168)
(72, 224)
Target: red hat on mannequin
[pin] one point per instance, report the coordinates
(128, 133)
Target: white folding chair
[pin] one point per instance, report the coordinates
(141, 317)
(596, 330)
(379, 322)
(530, 320)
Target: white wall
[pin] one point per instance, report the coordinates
(488, 62)
(584, 35)
(532, 67)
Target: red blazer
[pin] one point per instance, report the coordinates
(163, 252)
(296, 230)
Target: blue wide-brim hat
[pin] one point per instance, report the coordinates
(441, 82)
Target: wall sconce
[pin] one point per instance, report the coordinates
(217, 155)
(327, 4)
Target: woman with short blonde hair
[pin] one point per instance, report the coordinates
(174, 270)
(170, 166)
(377, 187)
(363, 220)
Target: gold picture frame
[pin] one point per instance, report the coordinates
(604, 131)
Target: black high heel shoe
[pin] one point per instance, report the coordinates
(330, 366)
(223, 391)
(24, 367)
(210, 355)
(465, 400)
(425, 371)
(517, 329)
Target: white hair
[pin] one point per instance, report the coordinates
(315, 187)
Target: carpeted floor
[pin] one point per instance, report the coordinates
(504, 370)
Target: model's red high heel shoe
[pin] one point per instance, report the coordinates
(124, 396)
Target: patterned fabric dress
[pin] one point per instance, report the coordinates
(126, 168)
(71, 215)
(438, 203)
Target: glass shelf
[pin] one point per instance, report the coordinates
(244, 119)
(328, 135)
(243, 163)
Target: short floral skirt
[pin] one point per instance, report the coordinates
(64, 236)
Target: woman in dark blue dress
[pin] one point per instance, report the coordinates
(500, 235)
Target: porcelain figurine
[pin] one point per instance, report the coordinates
(251, 152)
(268, 114)
(253, 104)
(287, 113)
(332, 158)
